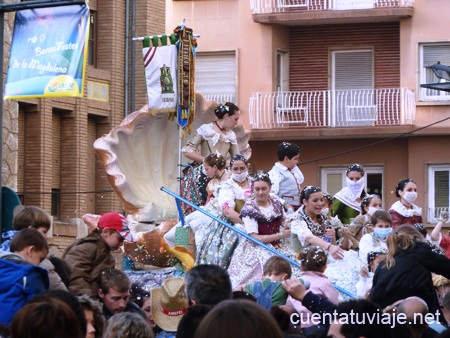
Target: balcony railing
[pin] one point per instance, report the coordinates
(333, 108)
(276, 6)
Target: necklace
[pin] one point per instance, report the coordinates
(220, 128)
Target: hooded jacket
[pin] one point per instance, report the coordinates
(19, 282)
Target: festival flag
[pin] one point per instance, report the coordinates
(48, 53)
(186, 76)
(160, 64)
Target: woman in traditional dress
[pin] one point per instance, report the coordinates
(214, 137)
(347, 201)
(215, 169)
(310, 227)
(219, 242)
(262, 216)
(405, 211)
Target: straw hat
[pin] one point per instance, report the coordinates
(169, 303)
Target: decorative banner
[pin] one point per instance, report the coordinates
(160, 64)
(186, 76)
(48, 53)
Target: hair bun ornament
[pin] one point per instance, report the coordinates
(261, 176)
(221, 108)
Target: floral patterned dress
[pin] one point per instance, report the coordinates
(248, 260)
(218, 241)
(205, 141)
(342, 273)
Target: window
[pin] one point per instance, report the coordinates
(92, 43)
(429, 55)
(56, 202)
(438, 190)
(352, 84)
(333, 180)
(216, 75)
(282, 76)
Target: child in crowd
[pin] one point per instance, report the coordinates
(382, 227)
(268, 292)
(313, 263)
(37, 218)
(26, 217)
(362, 224)
(89, 255)
(20, 277)
(364, 284)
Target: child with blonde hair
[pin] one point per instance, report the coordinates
(313, 263)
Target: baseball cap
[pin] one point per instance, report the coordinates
(116, 221)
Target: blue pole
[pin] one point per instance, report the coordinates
(242, 233)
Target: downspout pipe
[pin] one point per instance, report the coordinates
(127, 51)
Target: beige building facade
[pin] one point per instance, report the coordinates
(341, 78)
(48, 155)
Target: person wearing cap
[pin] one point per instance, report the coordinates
(169, 304)
(89, 255)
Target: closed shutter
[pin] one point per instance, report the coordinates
(353, 69)
(441, 189)
(216, 75)
(353, 80)
(433, 54)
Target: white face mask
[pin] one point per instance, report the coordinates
(240, 177)
(410, 196)
(372, 210)
(357, 187)
(325, 211)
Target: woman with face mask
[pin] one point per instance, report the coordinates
(347, 201)
(362, 224)
(405, 211)
(219, 242)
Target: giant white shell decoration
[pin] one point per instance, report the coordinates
(142, 154)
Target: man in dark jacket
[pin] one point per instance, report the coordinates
(114, 293)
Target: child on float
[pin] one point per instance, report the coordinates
(364, 284)
(382, 227)
(362, 224)
(313, 264)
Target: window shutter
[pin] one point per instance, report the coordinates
(215, 76)
(353, 70)
(434, 53)
(441, 189)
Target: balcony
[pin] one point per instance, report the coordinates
(315, 12)
(332, 108)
